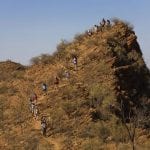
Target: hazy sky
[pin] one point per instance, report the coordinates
(31, 27)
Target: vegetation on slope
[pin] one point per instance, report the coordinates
(104, 104)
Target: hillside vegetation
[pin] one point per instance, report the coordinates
(103, 105)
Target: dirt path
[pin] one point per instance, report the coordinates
(55, 142)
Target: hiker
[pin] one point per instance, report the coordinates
(89, 33)
(108, 22)
(30, 104)
(36, 112)
(32, 107)
(95, 28)
(56, 82)
(44, 87)
(67, 75)
(75, 62)
(102, 24)
(43, 125)
(34, 97)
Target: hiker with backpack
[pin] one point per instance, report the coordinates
(67, 75)
(89, 33)
(30, 104)
(32, 107)
(102, 23)
(75, 61)
(43, 125)
(56, 82)
(36, 112)
(34, 97)
(108, 22)
(44, 87)
(95, 29)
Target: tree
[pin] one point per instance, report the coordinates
(132, 120)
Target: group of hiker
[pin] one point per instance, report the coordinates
(33, 106)
(97, 28)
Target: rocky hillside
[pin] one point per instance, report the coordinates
(104, 104)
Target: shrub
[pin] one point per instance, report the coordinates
(79, 37)
(42, 59)
(61, 50)
(18, 74)
(69, 107)
(124, 23)
(92, 144)
(4, 89)
(93, 42)
(98, 93)
(69, 92)
(56, 119)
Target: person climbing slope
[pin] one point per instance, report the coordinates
(44, 87)
(43, 125)
(67, 74)
(56, 82)
(75, 61)
(36, 112)
(32, 107)
(34, 97)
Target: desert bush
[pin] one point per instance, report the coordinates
(94, 57)
(124, 23)
(21, 113)
(35, 60)
(93, 43)
(18, 74)
(60, 72)
(92, 144)
(2, 115)
(12, 91)
(96, 130)
(104, 132)
(69, 107)
(79, 37)
(56, 121)
(68, 142)
(103, 68)
(4, 89)
(32, 143)
(69, 92)
(98, 93)
(60, 52)
(42, 59)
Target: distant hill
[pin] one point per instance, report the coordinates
(103, 104)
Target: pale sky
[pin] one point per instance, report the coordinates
(31, 27)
